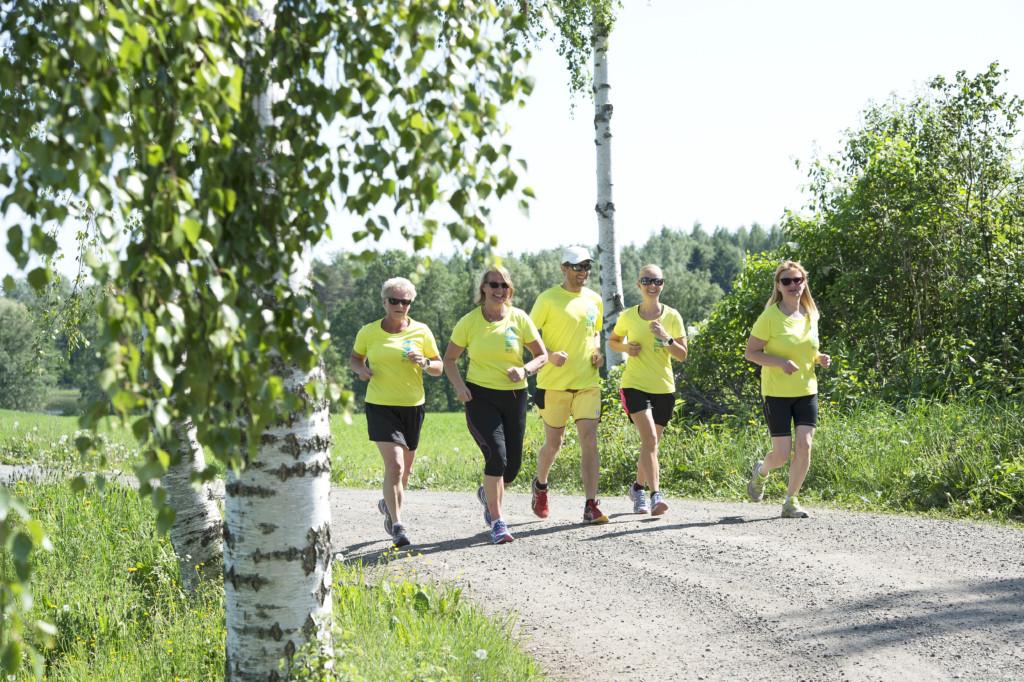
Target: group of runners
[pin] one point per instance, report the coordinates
(563, 335)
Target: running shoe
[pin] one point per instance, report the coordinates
(792, 509)
(639, 500)
(398, 536)
(592, 514)
(382, 507)
(755, 486)
(539, 500)
(482, 497)
(658, 504)
(499, 532)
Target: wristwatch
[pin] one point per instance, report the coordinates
(670, 341)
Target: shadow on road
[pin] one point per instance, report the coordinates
(530, 529)
(651, 526)
(884, 620)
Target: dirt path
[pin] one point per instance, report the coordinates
(717, 591)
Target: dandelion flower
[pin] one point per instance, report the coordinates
(481, 654)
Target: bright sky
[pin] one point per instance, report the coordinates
(715, 100)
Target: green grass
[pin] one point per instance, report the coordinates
(447, 457)
(49, 441)
(111, 587)
(962, 458)
(62, 401)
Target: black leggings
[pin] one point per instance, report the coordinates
(497, 421)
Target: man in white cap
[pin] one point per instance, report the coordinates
(569, 317)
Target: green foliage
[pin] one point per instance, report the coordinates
(716, 379)
(962, 459)
(152, 119)
(112, 590)
(403, 630)
(111, 587)
(23, 635)
(24, 376)
(916, 250)
(572, 26)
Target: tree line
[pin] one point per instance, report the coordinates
(51, 339)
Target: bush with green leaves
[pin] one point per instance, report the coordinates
(24, 377)
(916, 248)
(716, 379)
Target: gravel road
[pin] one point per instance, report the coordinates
(717, 591)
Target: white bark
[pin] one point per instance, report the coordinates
(197, 528)
(277, 537)
(277, 545)
(607, 248)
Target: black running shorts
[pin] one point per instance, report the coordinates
(660, 404)
(780, 413)
(395, 424)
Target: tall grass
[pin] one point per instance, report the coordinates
(960, 458)
(111, 586)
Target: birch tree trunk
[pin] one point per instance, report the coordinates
(197, 528)
(277, 530)
(277, 545)
(607, 248)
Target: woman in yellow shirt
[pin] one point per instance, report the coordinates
(652, 335)
(494, 333)
(784, 342)
(399, 349)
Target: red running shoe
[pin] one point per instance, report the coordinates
(591, 513)
(539, 500)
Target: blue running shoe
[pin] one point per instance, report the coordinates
(499, 532)
(482, 497)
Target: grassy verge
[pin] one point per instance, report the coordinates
(49, 441)
(111, 586)
(963, 458)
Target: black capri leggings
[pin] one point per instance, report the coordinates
(497, 421)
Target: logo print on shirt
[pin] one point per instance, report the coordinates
(511, 340)
(592, 318)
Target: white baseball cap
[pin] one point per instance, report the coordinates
(575, 254)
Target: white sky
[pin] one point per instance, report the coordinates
(715, 100)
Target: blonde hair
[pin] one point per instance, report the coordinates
(652, 267)
(498, 270)
(806, 300)
(399, 283)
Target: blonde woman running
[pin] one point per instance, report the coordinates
(652, 335)
(399, 350)
(494, 392)
(784, 342)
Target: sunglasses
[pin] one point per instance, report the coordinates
(495, 285)
(656, 281)
(786, 281)
(580, 267)
(400, 301)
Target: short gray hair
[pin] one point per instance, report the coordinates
(397, 283)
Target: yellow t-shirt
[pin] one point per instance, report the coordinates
(569, 322)
(794, 339)
(494, 347)
(651, 370)
(395, 381)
